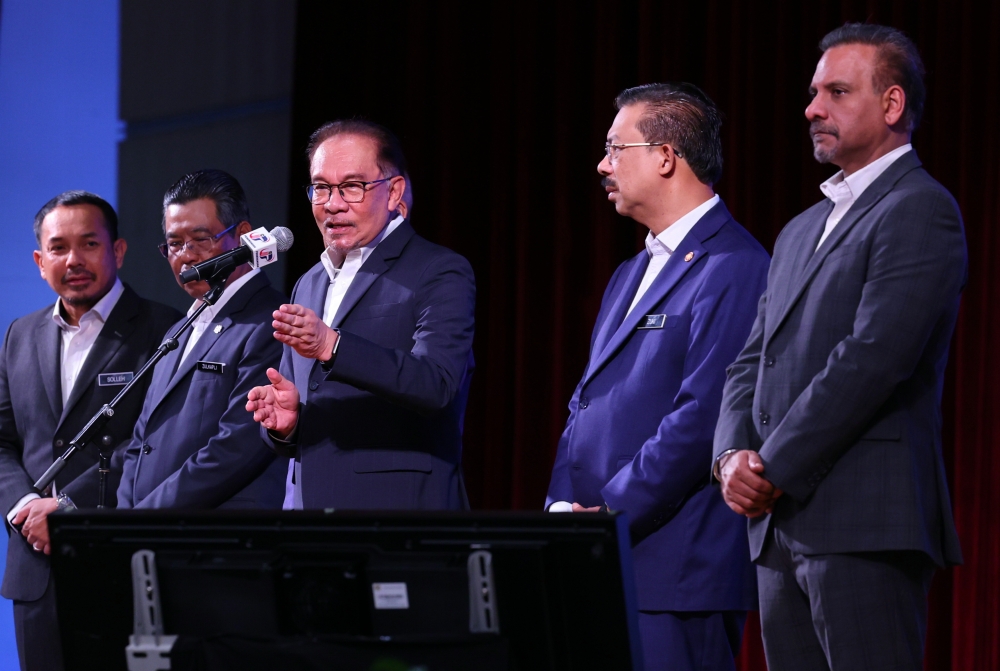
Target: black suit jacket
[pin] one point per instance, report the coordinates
(35, 428)
(839, 385)
(383, 428)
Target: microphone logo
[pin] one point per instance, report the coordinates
(265, 255)
(258, 237)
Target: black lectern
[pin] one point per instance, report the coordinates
(350, 590)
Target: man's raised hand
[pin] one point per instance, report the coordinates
(276, 405)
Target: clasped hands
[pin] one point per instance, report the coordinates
(276, 405)
(744, 489)
(34, 520)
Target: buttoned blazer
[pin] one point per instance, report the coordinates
(382, 429)
(35, 426)
(195, 446)
(639, 434)
(839, 386)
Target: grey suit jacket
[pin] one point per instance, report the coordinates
(35, 428)
(839, 385)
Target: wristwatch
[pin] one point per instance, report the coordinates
(64, 502)
(328, 364)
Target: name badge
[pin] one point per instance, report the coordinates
(114, 379)
(652, 322)
(211, 367)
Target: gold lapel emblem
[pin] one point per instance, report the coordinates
(688, 257)
(218, 328)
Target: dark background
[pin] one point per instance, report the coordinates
(503, 108)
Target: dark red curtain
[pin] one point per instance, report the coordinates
(503, 108)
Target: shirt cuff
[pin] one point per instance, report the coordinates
(23, 501)
(284, 441)
(561, 507)
(717, 466)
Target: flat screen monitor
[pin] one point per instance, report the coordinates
(353, 590)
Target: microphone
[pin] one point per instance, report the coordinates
(258, 248)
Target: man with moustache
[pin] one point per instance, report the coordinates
(58, 367)
(194, 446)
(829, 439)
(639, 434)
(377, 361)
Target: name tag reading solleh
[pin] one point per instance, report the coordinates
(114, 379)
(211, 367)
(652, 322)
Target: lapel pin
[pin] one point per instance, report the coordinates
(218, 328)
(688, 257)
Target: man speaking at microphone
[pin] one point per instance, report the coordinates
(194, 447)
(378, 342)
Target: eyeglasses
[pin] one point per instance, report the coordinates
(613, 151)
(196, 245)
(351, 192)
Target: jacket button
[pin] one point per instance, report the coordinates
(60, 442)
(146, 449)
(584, 402)
(769, 361)
(764, 418)
(313, 386)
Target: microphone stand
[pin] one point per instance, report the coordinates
(217, 285)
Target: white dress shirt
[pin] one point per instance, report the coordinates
(340, 281)
(844, 191)
(659, 248)
(76, 343)
(206, 317)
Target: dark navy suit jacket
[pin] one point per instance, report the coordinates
(839, 386)
(639, 435)
(195, 445)
(35, 426)
(383, 427)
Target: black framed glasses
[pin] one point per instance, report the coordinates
(613, 151)
(197, 245)
(351, 192)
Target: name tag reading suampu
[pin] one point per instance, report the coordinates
(211, 367)
(114, 379)
(652, 322)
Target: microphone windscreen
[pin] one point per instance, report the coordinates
(284, 238)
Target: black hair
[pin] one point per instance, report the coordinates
(390, 158)
(70, 198)
(898, 63)
(217, 185)
(680, 114)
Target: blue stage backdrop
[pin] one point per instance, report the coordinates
(59, 130)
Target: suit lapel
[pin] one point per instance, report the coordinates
(689, 253)
(616, 314)
(119, 326)
(311, 293)
(786, 281)
(377, 263)
(213, 332)
(810, 264)
(48, 342)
